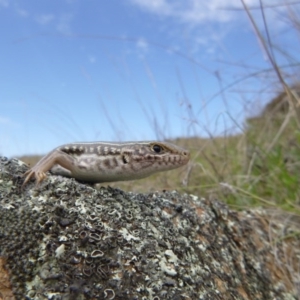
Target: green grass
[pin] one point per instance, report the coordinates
(257, 168)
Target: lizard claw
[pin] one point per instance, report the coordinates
(39, 176)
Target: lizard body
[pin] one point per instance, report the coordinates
(106, 162)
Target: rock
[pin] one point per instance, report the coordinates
(66, 240)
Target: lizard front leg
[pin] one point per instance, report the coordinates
(55, 157)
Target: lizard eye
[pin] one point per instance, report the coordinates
(157, 148)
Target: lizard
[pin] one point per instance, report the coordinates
(97, 162)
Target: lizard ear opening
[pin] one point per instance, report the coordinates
(125, 159)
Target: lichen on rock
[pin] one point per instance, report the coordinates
(67, 240)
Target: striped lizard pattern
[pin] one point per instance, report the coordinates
(97, 162)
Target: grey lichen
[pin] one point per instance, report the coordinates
(67, 240)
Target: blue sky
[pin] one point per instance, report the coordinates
(74, 70)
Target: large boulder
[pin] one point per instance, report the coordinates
(67, 240)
